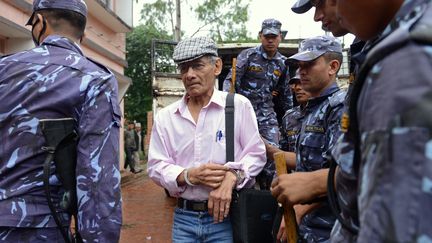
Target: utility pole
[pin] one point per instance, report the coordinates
(177, 33)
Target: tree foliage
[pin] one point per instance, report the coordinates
(138, 100)
(226, 19)
(159, 14)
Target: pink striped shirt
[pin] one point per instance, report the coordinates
(177, 143)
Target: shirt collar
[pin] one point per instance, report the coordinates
(218, 98)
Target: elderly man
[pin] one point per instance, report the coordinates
(187, 147)
(260, 74)
(319, 60)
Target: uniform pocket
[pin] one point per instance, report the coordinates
(312, 151)
(390, 189)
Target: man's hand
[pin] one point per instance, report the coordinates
(220, 199)
(209, 174)
(281, 235)
(302, 210)
(300, 187)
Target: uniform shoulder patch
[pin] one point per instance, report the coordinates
(337, 98)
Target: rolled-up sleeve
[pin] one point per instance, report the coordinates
(250, 153)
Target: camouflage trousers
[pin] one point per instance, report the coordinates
(271, 135)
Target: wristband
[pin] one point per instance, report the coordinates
(185, 174)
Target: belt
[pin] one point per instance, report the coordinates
(197, 206)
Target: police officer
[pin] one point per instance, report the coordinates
(56, 81)
(391, 130)
(325, 12)
(292, 120)
(260, 74)
(319, 60)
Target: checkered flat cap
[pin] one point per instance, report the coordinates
(193, 48)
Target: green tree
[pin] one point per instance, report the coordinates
(138, 100)
(226, 17)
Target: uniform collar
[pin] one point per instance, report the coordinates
(327, 92)
(62, 42)
(260, 50)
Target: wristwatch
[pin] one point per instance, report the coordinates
(239, 174)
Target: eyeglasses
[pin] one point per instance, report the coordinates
(196, 66)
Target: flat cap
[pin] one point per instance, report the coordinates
(271, 27)
(312, 48)
(193, 48)
(78, 6)
(301, 6)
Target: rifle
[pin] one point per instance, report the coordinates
(61, 146)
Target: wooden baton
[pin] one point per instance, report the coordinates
(233, 75)
(289, 214)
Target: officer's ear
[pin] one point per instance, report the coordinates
(334, 67)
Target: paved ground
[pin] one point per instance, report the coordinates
(147, 211)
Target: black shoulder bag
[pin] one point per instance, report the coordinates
(253, 212)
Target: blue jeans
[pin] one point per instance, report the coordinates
(193, 227)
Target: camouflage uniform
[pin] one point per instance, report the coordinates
(319, 132)
(343, 152)
(257, 77)
(55, 80)
(395, 169)
(290, 128)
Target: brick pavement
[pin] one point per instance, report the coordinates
(147, 211)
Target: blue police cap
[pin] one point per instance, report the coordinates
(295, 78)
(312, 48)
(271, 27)
(301, 6)
(78, 6)
(193, 48)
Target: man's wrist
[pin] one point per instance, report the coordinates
(238, 175)
(186, 178)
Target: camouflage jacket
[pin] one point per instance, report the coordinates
(290, 128)
(320, 131)
(257, 77)
(51, 81)
(395, 170)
